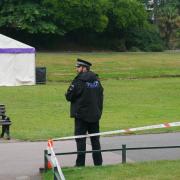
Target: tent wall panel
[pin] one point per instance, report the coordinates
(17, 63)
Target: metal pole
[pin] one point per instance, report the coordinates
(45, 160)
(123, 153)
(55, 171)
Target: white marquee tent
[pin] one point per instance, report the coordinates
(17, 63)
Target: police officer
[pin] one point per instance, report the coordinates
(86, 96)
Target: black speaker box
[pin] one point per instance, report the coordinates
(40, 75)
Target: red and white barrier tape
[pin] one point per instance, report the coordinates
(165, 125)
(54, 160)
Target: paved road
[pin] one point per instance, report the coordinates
(22, 160)
(166, 139)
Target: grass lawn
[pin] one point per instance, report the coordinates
(41, 112)
(156, 170)
(60, 66)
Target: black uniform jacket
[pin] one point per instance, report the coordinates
(86, 96)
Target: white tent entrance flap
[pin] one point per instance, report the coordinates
(17, 63)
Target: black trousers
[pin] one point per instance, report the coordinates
(81, 128)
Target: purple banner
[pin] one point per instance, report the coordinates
(17, 50)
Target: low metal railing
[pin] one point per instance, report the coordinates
(124, 150)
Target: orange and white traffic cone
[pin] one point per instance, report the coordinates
(50, 145)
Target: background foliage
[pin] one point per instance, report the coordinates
(92, 24)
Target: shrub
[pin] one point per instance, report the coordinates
(145, 39)
(134, 49)
(156, 47)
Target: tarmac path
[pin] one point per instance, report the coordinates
(22, 160)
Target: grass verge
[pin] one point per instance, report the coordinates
(156, 170)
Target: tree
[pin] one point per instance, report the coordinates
(75, 14)
(76, 20)
(29, 16)
(126, 13)
(168, 21)
(123, 15)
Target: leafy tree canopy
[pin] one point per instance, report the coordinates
(26, 15)
(62, 16)
(74, 14)
(124, 14)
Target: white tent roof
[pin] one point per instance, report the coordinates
(9, 45)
